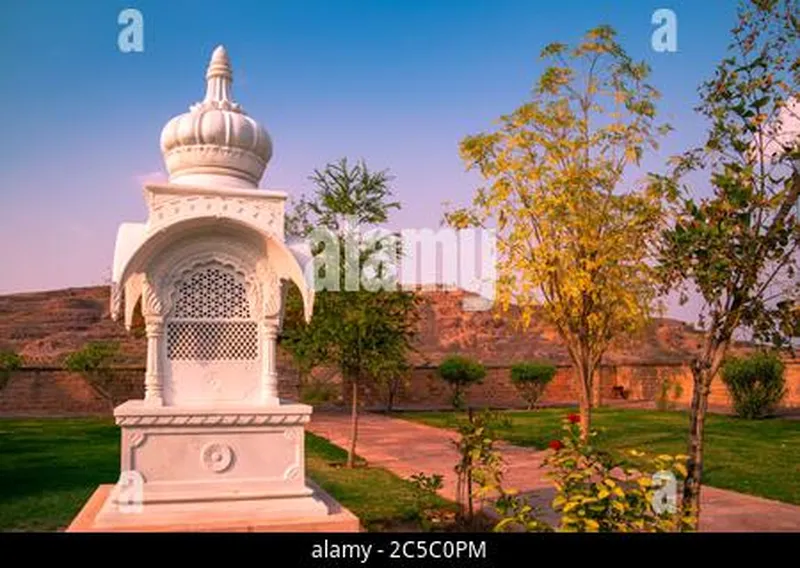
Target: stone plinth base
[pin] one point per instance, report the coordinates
(98, 515)
(176, 457)
(213, 468)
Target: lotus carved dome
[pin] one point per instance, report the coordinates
(216, 143)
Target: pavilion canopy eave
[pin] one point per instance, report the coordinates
(136, 246)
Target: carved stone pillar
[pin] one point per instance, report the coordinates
(153, 310)
(270, 327)
(154, 376)
(269, 377)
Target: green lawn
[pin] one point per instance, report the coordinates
(49, 468)
(759, 457)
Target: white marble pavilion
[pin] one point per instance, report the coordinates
(211, 444)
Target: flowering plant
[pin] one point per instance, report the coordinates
(597, 492)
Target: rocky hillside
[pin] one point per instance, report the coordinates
(498, 338)
(46, 326)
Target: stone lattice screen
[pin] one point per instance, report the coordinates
(212, 320)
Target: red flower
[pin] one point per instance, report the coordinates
(574, 418)
(556, 445)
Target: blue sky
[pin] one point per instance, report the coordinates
(397, 83)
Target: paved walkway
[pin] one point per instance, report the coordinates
(406, 448)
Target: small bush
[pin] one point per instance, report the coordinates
(756, 384)
(9, 361)
(531, 378)
(669, 391)
(425, 492)
(318, 391)
(480, 468)
(94, 363)
(460, 373)
(93, 357)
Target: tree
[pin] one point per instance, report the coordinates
(392, 370)
(531, 378)
(460, 373)
(10, 361)
(362, 324)
(299, 339)
(94, 363)
(569, 238)
(737, 248)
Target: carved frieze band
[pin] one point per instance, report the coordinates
(265, 214)
(215, 420)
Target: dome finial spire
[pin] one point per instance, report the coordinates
(219, 78)
(216, 143)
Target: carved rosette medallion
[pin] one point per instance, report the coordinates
(217, 457)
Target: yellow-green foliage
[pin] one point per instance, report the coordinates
(573, 236)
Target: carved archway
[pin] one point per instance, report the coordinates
(129, 276)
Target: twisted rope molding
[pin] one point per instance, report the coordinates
(216, 420)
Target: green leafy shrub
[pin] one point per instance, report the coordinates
(531, 378)
(756, 384)
(460, 373)
(9, 362)
(425, 492)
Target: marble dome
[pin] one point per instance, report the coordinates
(216, 143)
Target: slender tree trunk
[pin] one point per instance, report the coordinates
(703, 372)
(471, 510)
(97, 381)
(697, 418)
(585, 399)
(586, 417)
(351, 453)
(391, 395)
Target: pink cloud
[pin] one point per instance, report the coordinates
(155, 176)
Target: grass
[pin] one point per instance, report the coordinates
(49, 468)
(758, 457)
(379, 498)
